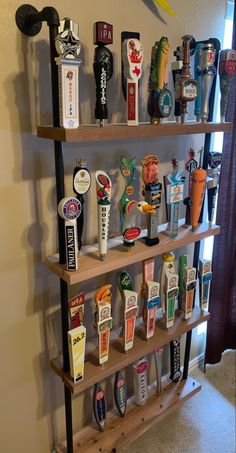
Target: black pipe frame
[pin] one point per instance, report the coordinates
(50, 15)
(30, 22)
(207, 144)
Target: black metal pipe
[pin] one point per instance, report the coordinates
(207, 144)
(48, 14)
(29, 21)
(68, 413)
(60, 189)
(58, 146)
(187, 354)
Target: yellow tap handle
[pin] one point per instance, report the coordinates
(164, 4)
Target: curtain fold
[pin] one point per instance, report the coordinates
(221, 331)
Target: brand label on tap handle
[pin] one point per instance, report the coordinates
(103, 33)
(175, 360)
(103, 66)
(120, 393)
(227, 62)
(131, 100)
(140, 382)
(71, 249)
(69, 208)
(99, 406)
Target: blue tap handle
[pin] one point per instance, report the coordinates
(197, 57)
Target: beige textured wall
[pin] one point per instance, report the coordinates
(32, 413)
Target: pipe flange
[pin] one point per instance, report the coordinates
(22, 13)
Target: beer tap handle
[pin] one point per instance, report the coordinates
(186, 88)
(197, 59)
(160, 97)
(227, 68)
(176, 67)
(81, 185)
(68, 47)
(102, 67)
(126, 35)
(213, 178)
(132, 57)
(207, 71)
(198, 190)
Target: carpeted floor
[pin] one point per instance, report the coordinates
(205, 423)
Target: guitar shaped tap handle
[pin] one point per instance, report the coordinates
(68, 47)
(102, 67)
(99, 406)
(132, 58)
(152, 194)
(186, 88)
(213, 179)
(160, 98)
(227, 69)
(120, 393)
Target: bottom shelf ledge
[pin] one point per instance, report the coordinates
(138, 419)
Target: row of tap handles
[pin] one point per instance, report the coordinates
(71, 208)
(187, 88)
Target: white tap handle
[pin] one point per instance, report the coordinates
(132, 56)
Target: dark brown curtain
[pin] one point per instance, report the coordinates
(221, 331)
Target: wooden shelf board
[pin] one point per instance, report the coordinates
(91, 266)
(113, 132)
(118, 359)
(120, 432)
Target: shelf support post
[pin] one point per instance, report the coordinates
(29, 21)
(207, 144)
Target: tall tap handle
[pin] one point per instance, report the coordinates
(132, 57)
(186, 55)
(227, 68)
(102, 67)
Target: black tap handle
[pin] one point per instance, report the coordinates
(175, 74)
(80, 222)
(103, 70)
(102, 67)
(211, 198)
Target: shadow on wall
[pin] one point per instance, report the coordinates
(32, 161)
(150, 5)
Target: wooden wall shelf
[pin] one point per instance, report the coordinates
(118, 359)
(112, 132)
(91, 266)
(138, 419)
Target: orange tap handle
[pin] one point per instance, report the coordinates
(198, 188)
